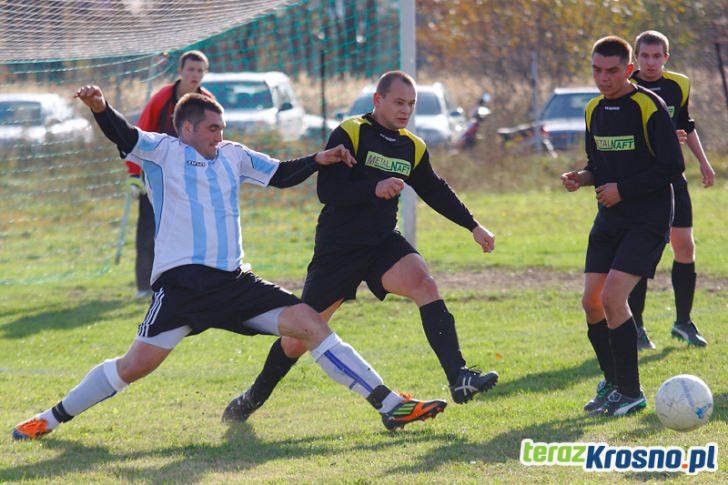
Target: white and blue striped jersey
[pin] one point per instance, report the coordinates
(196, 201)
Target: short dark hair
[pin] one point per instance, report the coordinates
(191, 107)
(193, 56)
(386, 79)
(612, 45)
(651, 37)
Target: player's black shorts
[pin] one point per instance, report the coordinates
(336, 270)
(204, 297)
(683, 206)
(635, 251)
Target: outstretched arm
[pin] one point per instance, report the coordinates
(111, 122)
(293, 172)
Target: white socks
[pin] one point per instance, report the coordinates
(344, 365)
(100, 383)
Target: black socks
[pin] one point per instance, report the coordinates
(439, 326)
(683, 281)
(277, 365)
(598, 334)
(623, 341)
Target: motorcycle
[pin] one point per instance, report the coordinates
(470, 135)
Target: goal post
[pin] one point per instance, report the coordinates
(408, 63)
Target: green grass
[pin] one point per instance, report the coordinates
(166, 428)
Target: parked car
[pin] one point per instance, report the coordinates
(560, 123)
(316, 129)
(438, 120)
(562, 118)
(34, 119)
(258, 102)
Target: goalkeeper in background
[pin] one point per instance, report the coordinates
(157, 117)
(357, 239)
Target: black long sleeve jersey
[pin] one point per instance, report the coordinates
(674, 89)
(352, 213)
(631, 141)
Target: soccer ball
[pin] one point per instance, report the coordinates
(683, 403)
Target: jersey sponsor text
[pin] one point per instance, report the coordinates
(387, 164)
(615, 143)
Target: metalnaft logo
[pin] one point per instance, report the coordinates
(387, 164)
(614, 143)
(601, 457)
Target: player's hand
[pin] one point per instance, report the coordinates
(608, 194)
(335, 155)
(389, 188)
(93, 97)
(135, 186)
(682, 136)
(570, 181)
(484, 238)
(708, 174)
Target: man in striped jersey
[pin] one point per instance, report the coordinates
(193, 183)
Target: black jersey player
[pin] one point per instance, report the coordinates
(633, 154)
(357, 239)
(652, 50)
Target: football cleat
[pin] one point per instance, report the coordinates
(689, 333)
(620, 405)
(31, 429)
(596, 405)
(471, 382)
(411, 410)
(240, 408)
(643, 340)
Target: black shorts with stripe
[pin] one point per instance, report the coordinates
(635, 250)
(204, 297)
(336, 270)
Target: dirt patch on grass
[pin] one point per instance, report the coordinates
(496, 279)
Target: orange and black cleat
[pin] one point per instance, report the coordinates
(31, 429)
(411, 410)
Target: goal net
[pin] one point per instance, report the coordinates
(62, 191)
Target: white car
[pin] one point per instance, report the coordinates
(34, 119)
(438, 120)
(258, 103)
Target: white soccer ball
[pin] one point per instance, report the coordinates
(684, 403)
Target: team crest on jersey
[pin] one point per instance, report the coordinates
(615, 143)
(387, 164)
(671, 110)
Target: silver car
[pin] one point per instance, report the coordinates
(258, 103)
(562, 119)
(438, 121)
(34, 119)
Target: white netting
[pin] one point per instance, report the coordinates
(32, 30)
(62, 190)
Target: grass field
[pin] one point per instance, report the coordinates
(518, 312)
